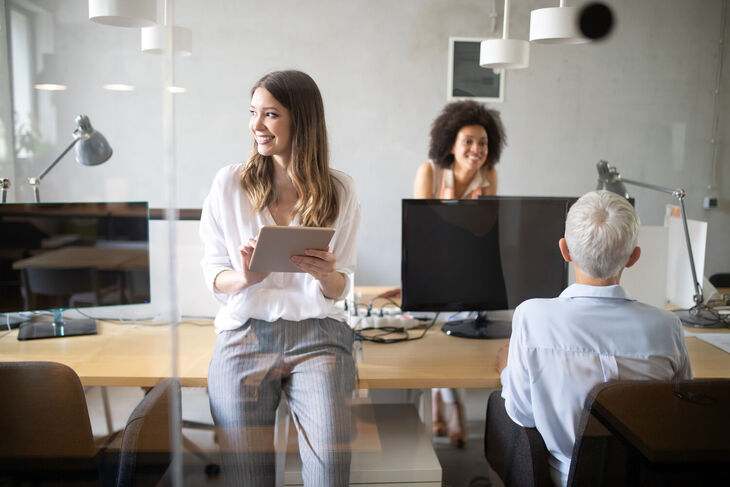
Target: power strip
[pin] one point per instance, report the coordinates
(395, 321)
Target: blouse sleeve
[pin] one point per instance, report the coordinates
(344, 244)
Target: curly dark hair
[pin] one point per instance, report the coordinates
(460, 114)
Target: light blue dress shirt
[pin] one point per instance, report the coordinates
(561, 348)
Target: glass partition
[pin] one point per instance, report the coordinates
(174, 105)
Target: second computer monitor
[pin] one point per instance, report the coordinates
(481, 255)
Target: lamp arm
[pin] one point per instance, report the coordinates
(50, 166)
(698, 290)
(678, 193)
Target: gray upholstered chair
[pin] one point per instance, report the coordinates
(516, 454)
(146, 450)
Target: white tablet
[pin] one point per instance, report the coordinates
(276, 244)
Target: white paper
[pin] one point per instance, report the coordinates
(680, 289)
(646, 281)
(720, 340)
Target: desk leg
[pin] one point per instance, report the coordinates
(107, 410)
(281, 439)
(425, 411)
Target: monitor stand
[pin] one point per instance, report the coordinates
(31, 330)
(479, 327)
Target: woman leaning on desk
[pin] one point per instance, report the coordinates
(280, 333)
(466, 142)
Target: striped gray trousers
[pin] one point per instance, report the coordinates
(309, 361)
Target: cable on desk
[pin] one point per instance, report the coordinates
(719, 320)
(385, 331)
(123, 321)
(187, 320)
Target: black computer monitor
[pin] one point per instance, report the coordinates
(55, 256)
(481, 255)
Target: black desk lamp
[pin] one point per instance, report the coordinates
(92, 149)
(698, 315)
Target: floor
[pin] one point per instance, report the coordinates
(461, 467)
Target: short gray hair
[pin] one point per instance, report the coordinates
(601, 231)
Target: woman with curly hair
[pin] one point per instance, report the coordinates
(466, 143)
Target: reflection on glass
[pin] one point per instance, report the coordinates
(71, 255)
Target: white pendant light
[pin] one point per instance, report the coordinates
(154, 40)
(124, 13)
(556, 25)
(504, 53)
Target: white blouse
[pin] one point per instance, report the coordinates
(227, 222)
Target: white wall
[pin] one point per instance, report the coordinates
(643, 100)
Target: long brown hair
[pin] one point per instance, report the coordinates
(309, 171)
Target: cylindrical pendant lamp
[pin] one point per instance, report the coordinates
(556, 25)
(154, 40)
(124, 13)
(504, 53)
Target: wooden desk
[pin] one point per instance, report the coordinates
(134, 355)
(122, 354)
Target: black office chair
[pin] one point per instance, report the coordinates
(45, 431)
(517, 455)
(690, 416)
(146, 450)
(720, 280)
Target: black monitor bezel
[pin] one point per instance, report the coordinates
(462, 305)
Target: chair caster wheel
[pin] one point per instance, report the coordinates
(212, 470)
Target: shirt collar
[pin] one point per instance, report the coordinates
(586, 291)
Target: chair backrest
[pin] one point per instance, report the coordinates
(59, 284)
(598, 458)
(146, 450)
(666, 432)
(63, 282)
(517, 454)
(44, 421)
(688, 424)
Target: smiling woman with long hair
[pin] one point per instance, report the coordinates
(281, 333)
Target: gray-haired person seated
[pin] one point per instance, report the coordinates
(592, 333)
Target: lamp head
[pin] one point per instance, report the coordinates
(610, 179)
(92, 148)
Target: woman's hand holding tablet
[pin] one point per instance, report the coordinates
(275, 246)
